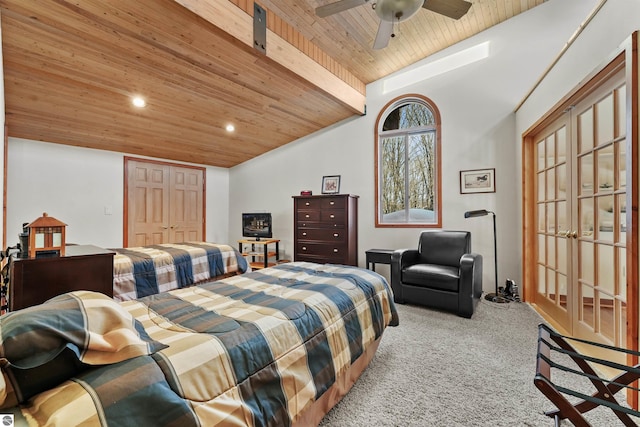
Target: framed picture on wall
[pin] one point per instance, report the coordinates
(478, 181)
(331, 184)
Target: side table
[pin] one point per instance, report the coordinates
(378, 256)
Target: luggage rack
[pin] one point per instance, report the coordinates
(550, 341)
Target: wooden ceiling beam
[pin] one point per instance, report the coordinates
(232, 19)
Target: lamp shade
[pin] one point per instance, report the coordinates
(473, 214)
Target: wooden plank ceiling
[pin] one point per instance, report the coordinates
(71, 67)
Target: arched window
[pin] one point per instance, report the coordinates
(408, 163)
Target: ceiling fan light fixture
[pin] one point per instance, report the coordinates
(397, 10)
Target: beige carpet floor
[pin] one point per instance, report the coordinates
(438, 369)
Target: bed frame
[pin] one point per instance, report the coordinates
(549, 341)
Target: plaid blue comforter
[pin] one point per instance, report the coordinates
(249, 350)
(148, 270)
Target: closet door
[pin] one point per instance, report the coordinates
(164, 203)
(147, 203)
(186, 202)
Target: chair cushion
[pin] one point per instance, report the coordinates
(440, 277)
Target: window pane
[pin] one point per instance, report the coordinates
(408, 175)
(421, 177)
(408, 116)
(393, 179)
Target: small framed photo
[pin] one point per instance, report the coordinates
(331, 184)
(478, 181)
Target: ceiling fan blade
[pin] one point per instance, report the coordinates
(385, 30)
(455, 9)
(338, 6)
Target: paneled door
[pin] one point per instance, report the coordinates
(581, 205)
(164, 203)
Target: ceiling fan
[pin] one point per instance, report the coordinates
(393, 11)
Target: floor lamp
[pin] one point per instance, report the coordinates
(493, 297)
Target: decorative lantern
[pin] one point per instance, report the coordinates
(46, 237)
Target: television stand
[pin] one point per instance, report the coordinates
(255, 254)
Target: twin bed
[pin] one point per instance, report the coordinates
(274, 347)
(147, 270)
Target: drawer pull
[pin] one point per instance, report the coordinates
(307, 203)
(304, 234)
(306, 216)
(332, 202)
(335, 250)
(304, 248)
(332, 216)
(336, 235)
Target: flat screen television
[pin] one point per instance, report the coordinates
(257, 225)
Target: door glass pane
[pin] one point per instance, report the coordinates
(585, 174)
(585, 211)
(541, 156)
(551, 184)
(585, 131)
(622, 217)
(607, 325)
(586, 262)
(542, 280)
(621, 283)
(562, 290)
(561, 217)
(622, 164)
(551, 284)
(606, 268)
(541, 187)
(551, 251)
(542, 249)
(551, 218)
(541, 218)
(605, 218)
(586, 297)
(604, 120)
(622, 336)
(621, 111)
(561, 178)
(561, 145)
(605, 169)
(551, 150)
(562, 255)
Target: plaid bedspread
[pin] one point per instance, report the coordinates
(249, 350)
(148, 270)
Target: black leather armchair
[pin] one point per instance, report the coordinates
(442, 273)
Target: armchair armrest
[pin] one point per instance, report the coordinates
(399, 260)
(470, 283)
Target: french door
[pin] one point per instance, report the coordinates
(581, 203)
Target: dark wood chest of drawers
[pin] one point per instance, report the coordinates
(326, 228)
(83, 267)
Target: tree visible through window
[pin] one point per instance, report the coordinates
(408, 176)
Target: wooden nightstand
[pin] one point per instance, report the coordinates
(83, 267)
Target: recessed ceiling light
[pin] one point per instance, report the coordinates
(139, 102)
(230, 127)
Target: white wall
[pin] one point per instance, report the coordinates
(613, 24)
(479, 130)
(478, 127)
(79, 186)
